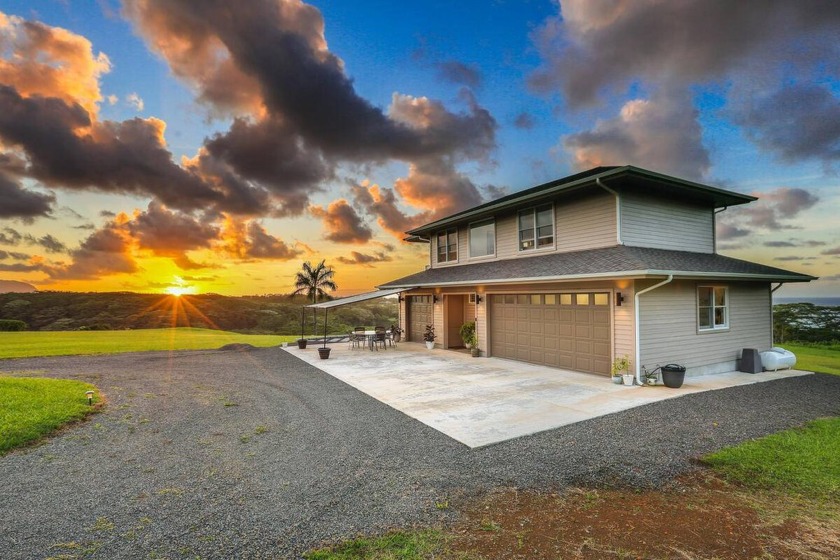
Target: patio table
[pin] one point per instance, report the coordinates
(370, 337)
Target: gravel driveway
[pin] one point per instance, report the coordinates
(256, 454)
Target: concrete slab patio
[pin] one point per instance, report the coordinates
(480, 401)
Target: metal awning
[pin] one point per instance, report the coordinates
(357, 298)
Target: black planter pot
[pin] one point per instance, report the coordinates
(673, 376)
(302, 343)
(324, 353)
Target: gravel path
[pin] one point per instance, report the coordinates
(255, 454)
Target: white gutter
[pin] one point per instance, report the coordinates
(617, 209)
(638, 327)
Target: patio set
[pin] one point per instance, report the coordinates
(373, 340)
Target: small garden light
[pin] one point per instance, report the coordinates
(89, 395)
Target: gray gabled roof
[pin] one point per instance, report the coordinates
(618, 261)
(356, 298)
(626, 176)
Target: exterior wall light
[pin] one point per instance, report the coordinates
(619, 299)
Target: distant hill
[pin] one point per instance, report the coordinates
(275, 314)
(15, 287)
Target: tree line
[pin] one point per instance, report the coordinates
(269, 314)
(805, 322)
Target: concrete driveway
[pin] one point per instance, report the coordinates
(480, 401)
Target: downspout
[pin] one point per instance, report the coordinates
(772, 318)
(617, 209)
(638, 327)
(714, 227)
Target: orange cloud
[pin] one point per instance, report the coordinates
(50, 61)
(342, 223)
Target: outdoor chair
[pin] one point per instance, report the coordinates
(379, 337)
(357, 337)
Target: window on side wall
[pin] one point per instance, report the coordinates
(712, 308)
(447, 246)
(536, 228)
(483, 238)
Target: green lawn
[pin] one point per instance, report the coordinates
(397, 545)
(33, 407)
(802, 461)
(43, 343)
(824, 358)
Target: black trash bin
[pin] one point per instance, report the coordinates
(673, 375)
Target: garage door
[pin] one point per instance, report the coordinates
(565, 330)
(419, 315)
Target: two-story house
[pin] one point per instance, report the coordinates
(610, 262)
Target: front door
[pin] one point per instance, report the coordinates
(454, 320)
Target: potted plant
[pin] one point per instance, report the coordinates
(429, 337)
(621, 369)
(396, 333)
(470, 338)
(651, 377)
(301, 343)
(324, 352)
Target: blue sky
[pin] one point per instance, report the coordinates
(459, 102)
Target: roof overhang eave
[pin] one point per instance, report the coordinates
(635, 274)
(390, 291)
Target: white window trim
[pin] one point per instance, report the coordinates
(457, 247)
(469, 240)
(726, 306)
(537, 248)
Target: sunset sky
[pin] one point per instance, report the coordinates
(149, 144)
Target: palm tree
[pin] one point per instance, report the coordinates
(314, 281)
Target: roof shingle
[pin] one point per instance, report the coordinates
(618, 261)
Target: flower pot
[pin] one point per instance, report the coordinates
(475, 352)
(673, 376)
(324, 353)
(616, 379)
(301, 343)
(430, 344)
(628, 378)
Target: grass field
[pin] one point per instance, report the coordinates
(41, 343)
(33, 407)
(802, 461)
(822, 358)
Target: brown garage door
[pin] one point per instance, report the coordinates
(566, 330)
(419, 315)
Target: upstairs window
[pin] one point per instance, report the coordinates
(447, 246)
(483, 238)
(712, 308)
(536, 228)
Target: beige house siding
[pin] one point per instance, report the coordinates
(624, 337)
(669, 334)
(589, 223)
(437, 320)
(666, 224)
(580, 224)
